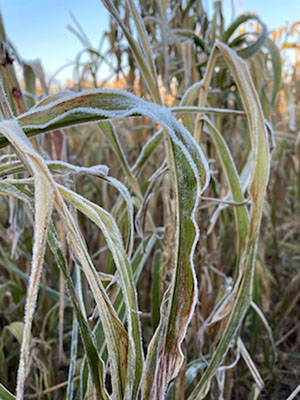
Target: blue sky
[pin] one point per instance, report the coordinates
(38, 28)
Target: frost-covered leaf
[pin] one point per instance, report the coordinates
(46, 194)
(44, 199)
(5, 394)
(114, 240)
(257, 189)
(101, 171)
(95, 362)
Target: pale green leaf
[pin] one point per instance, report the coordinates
(5, 394)
(257, 189)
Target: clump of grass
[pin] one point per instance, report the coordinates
(161, 227)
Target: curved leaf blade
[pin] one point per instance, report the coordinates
(257, 189)
(44, 200)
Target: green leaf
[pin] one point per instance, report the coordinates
(44, 199)
(29, 79)
(240, 213)
(110, 133)
(147, 150)
(74, 344)
(138, 262)
(45, 192)
(276, 63)
(109, 227)
(15, 328)
(95, 363)
(5, 394)
(251, 49)
(155, 303)
(257, 190)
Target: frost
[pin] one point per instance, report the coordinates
(125, 194)
(102, 172)
(44, 199)
(97, 170)
(110, 230)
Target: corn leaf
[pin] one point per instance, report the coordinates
(5, 394)
(251, 49)
(276, 63)
(114, 240)
(241, 214)
(47, 190)
(257, 189)
(110, 133)
(44, 199)
(95, 363)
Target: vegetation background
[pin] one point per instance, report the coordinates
(107, 288)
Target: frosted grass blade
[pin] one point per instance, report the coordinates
(117, 344)
(241, 214)
(101, 171)
(95, 363)
(257, 189)
(5, 394)
(44, 199)
(108, 226)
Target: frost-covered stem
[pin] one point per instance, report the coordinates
(207, 110)
(61, 298)
(37, 262)
(43, 208)
(204, 92)
(6, 112)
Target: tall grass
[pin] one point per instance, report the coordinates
(151, 206)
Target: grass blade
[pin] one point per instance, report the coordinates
(44, 199)
(155, 289)
(241, 214)
(74, 345)
(110, 133)
(276, 63)
(113, 237)
(190, 178)
(95, 363)
(257, 189)
(5, 394)
(251, 49)
(45, 184)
